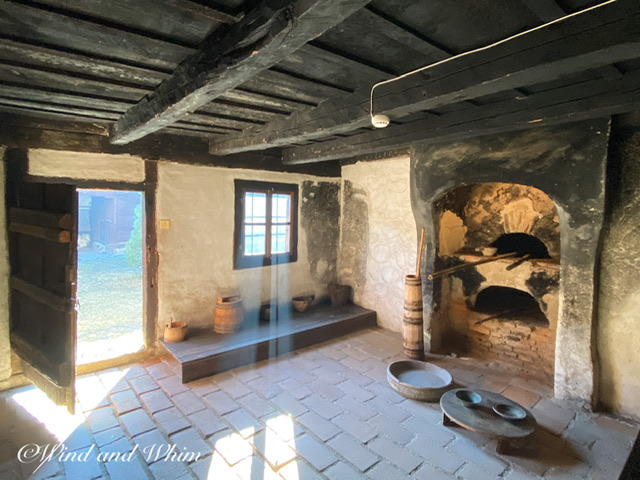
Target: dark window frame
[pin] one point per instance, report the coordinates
(242, 261)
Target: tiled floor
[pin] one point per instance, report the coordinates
(323, 412)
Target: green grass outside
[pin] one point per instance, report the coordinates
(110, 300)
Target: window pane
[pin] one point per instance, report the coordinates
(254, 239)
(280, 239)
(255, 210)
(280, 208)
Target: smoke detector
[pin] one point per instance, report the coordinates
(380, 121)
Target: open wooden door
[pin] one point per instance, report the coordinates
(42, 248)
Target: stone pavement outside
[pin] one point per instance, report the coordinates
(322, 412)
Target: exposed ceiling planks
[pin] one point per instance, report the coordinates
(270, 32)
(180, 21)
(93, 61)
(17, 53)
(24, 22)
(577, 44)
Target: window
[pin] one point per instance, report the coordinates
(266, 224)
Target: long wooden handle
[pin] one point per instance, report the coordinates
(419, 260)
(467, 265)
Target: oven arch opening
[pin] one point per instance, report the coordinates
(511, 304)
(521, 243)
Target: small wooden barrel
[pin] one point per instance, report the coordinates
(229, 315)
(412, 329)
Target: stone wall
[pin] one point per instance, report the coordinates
(619, 307)
(378, 245)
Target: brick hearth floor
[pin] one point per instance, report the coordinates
(322, 412)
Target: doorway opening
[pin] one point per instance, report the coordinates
(110, 274)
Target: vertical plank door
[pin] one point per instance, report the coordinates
(42, 249)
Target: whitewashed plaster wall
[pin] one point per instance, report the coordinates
(196, 252)
(377, 203)
(5, 347)
(86, 166)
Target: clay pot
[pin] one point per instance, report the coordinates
(175, 332)
(301, 303)
(340, 294)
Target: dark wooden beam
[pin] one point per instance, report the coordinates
(68, 113)
(549, 10)
(593, 39)
(595, 99)
(395, 32)
(101, 94)
(205, 11)
(319, 51)
(265, 36)
(23, 132)
(15, 52)
(545, 10)
(287, 86)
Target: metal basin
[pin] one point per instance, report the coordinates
(418, 380)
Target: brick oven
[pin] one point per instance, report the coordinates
(504, 310)
(540, 194)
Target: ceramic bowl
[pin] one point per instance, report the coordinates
(301, 303)
(510, 412)
(469, 398)
(488, 251)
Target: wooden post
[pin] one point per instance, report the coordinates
(412, 336)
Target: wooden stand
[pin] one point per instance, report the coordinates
(484, 420)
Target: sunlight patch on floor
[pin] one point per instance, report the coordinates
(90, 391)
(55, 418)
(260, 455)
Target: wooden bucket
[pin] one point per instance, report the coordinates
(229, 315)
(412, 329)
(175, 332)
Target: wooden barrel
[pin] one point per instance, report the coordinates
(412, 329)
(229, 314)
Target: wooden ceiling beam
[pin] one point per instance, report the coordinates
(395, 32)
(545, 10)
(593, 39)
(549, 10)
(265, 36)
(24, 132)
(593, 99)
(204, 11)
